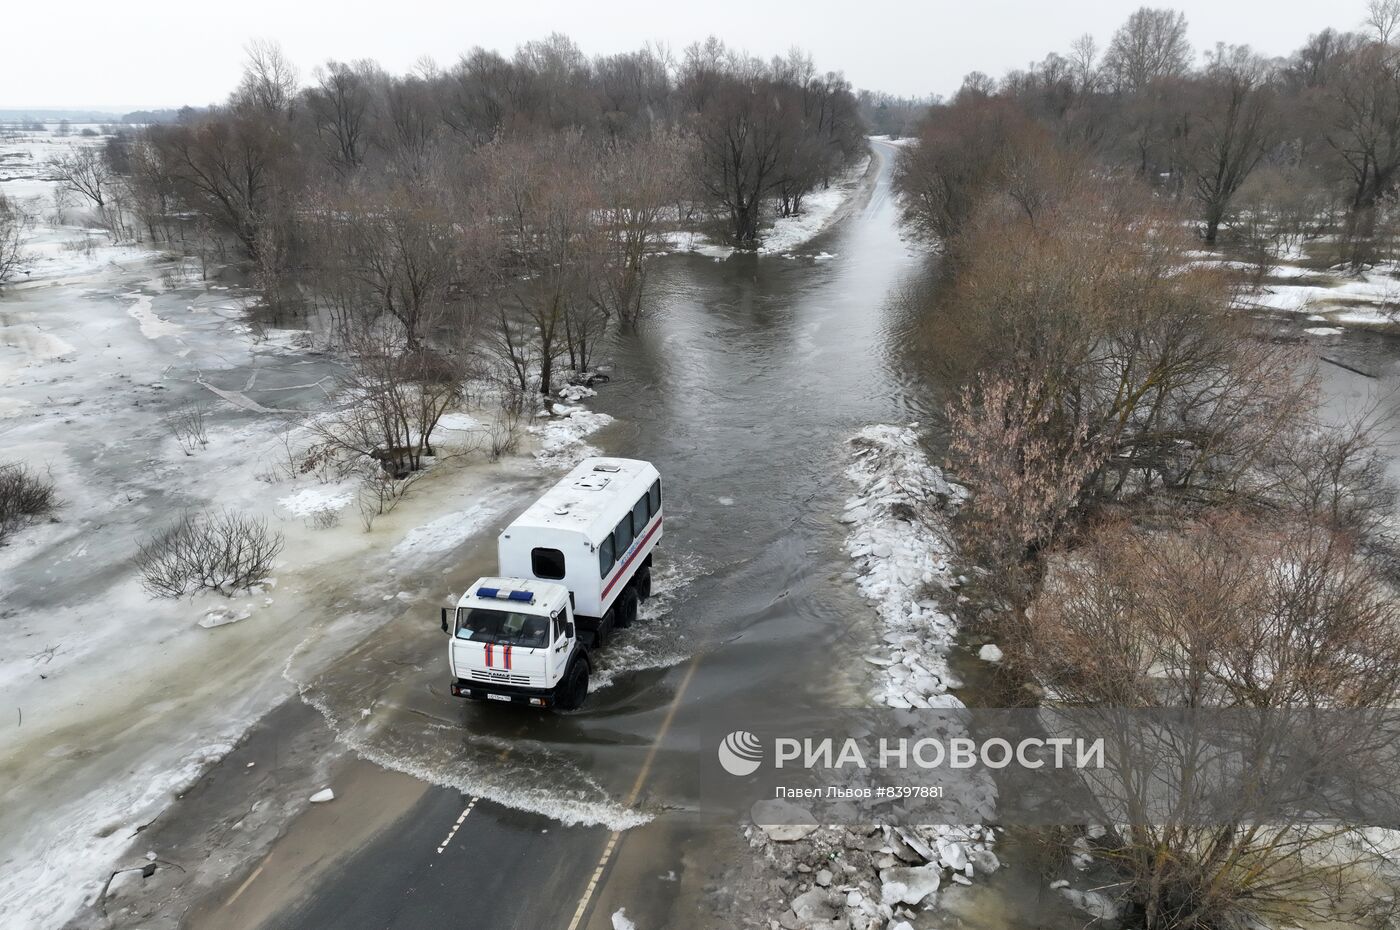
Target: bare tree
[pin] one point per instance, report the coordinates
(341, 107)
(85, 172)
(636, 183)
(1236, 130)
(1083, 57)
(389, 251)
(13, 223)
(269, 79)
(741, 137)
(410, 123)
(1151, 45)
(1383, 19)
(1361, 116)
(235, 168)
(393, 399)
(1109, 363)
(546, 204)
(962, 158)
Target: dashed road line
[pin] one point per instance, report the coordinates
(458, 825)
(632, 796)
(246, 882)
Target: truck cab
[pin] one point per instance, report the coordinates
(515, 640)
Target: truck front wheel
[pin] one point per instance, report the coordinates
(644, 583)
(575, 686)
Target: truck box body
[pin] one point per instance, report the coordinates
(592, 532)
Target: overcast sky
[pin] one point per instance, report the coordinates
(157, 53)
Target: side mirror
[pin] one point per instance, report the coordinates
(444, 619)
(569, 629)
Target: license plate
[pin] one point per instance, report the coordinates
(499, 697)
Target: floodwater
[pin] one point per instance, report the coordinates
(743, 389)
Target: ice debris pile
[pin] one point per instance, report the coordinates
(902, 556)
(876, 876)
(873, 877)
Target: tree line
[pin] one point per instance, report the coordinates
(479, 155)
(1308, 142)
(1163, 514)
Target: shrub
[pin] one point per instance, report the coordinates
(186, 423)
(24, 497)
(221, 551)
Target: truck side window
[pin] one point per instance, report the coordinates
(547, 563)
(639, 516)
(655, 495)
(622, 536)
(606, 557)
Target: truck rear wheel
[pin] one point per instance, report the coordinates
(606, 624)
(644, 583)
(626, 608)
(575, 686)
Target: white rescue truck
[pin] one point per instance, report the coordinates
(573, 567)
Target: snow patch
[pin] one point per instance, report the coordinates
(152, 326)
(818, 210)
(458, 421)
(223, 616)
(576, 392)
(310, 501)
(561, 437)
(446, 532)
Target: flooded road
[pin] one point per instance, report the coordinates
(743, 389)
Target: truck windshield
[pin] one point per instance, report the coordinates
(483, 625)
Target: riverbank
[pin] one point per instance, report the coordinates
(116, 703)
(787, 236)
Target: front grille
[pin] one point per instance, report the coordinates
(505, 677)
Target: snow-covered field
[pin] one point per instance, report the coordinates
(1369, 298)
(113, 702)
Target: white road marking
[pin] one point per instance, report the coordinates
(632, 796)
(246, 882)
(458, 825)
